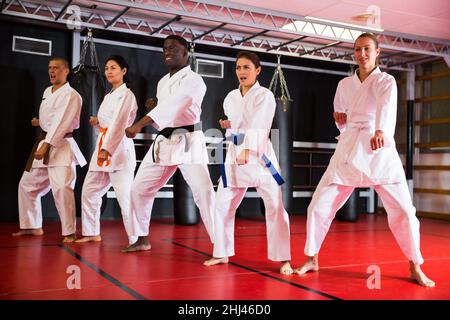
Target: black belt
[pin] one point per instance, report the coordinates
(167, 133)
(41, 137)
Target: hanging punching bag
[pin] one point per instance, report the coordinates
(282, 136)
(283, 122)
(87, 80)
(185, 210)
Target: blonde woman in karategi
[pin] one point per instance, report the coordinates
(250, 111)
(365, 113)
(114, 160)
(180, 144)
(51, 164)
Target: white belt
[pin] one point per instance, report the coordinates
(360, 125)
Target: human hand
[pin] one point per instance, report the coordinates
(243, 157)
(377, 141)
(132, 131)
(35, 122)
(340, 118)
(40, 153)
(225, 124)
(150, 104)
(103, 156)
(93, 121)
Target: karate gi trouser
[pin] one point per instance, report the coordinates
(35, 184)
(95, 185)
(401, 214)
(151, 177)
(277, 219)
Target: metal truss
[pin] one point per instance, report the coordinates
(223, 24)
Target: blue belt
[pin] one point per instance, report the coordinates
(237, 139)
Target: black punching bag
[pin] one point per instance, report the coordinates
(281, 137)
(185, 210)
(88, 82)
(283, 122)
(349, 211)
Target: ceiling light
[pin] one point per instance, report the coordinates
(342, 24)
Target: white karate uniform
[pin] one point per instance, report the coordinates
(116, 113)
(370, 105)
(251, 115)
(179, 104)
(59, 114)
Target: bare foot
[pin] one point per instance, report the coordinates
(214, 261)
(312, 264)
(69, 238)
(418, 275)
(137, 247)
(29, 232)
(286, 268)
(96, 238)
(141, 244)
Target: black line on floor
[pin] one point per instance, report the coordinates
(105, 275)
(258, 272)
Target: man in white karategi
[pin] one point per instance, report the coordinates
(52, 162)
(180, 143)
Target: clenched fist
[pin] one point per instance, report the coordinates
(93, 121)
(35, 122)
(225, 124)
(132, 131)
(102, 157)
(243, 157)
(377, 141)
(150, 104)
(340, 118)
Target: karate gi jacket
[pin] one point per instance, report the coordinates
(370, 106)
(180, 99)
(251, 115)
(116, 113)
(59, 114)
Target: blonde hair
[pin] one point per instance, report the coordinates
(370, 36)
(64, 62)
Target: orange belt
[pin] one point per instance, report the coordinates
(103, 133)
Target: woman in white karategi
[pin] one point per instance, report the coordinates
(365, 107)
(250, 111)
(114, 159)
(180, 144)
(52, 163)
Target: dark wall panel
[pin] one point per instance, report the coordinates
(24, 78)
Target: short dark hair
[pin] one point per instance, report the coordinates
(122, 63)
(62, 60)
(253, 57)
(179, 39)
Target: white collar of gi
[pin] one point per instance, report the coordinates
(181, 72)
(122, 87)
(356, 77)
(256, 85)
(64, 87)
